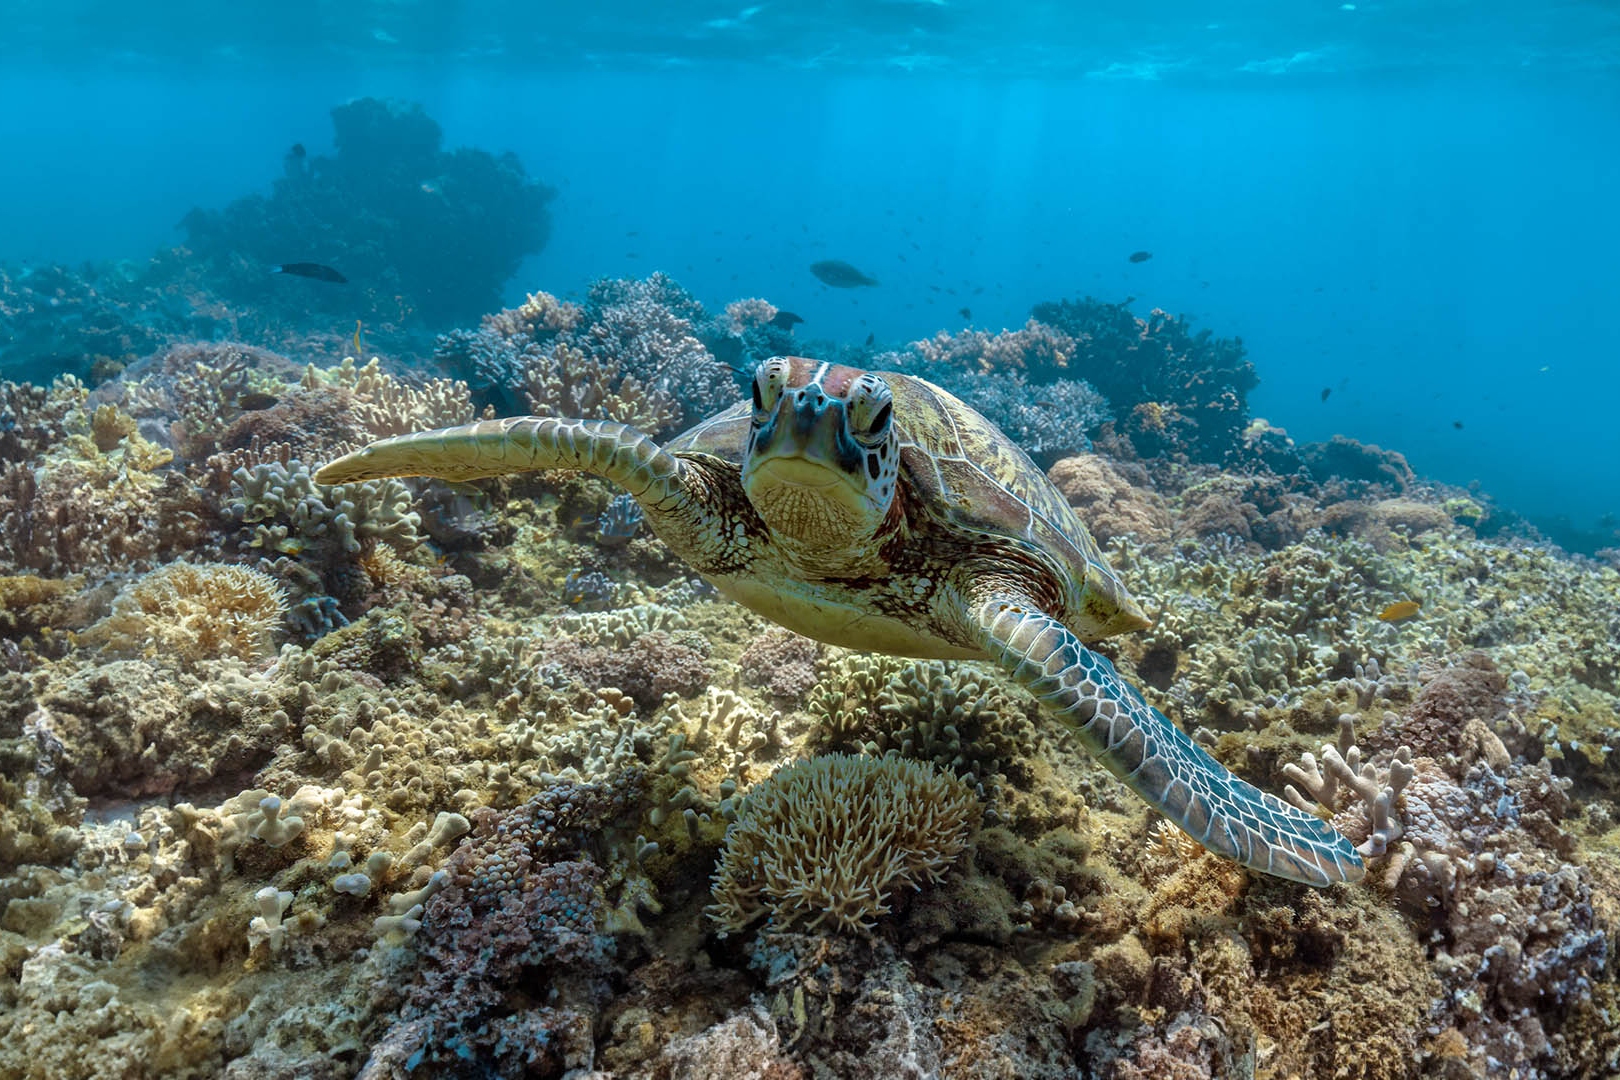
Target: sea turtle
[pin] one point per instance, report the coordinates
(875, 511)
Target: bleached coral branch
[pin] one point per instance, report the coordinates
(1377, 788)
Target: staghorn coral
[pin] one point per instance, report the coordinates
(885, 823)
(190, 612)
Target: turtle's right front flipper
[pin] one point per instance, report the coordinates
(612, 451)
(1156, 759)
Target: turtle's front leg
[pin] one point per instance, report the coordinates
(1155, 758)
(519, 444)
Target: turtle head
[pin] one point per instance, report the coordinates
(823, 457)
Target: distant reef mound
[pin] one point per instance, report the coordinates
(422, 233)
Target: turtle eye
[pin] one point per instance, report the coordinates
(768, 383)
(871, 408)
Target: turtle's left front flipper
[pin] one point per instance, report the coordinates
(1155, 758)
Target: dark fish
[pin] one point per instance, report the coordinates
(255, 400)
(297, 150)
(1457, 424)
(1141, 256)
(1326, 390)
(310, 270)
(965, 313)
(871, 337)
(840, 275)
(785, 320)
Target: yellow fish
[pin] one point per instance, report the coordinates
(359, 341)
(1403, 609)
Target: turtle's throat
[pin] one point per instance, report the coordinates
(823, 513)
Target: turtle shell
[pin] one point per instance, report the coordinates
(964, 472)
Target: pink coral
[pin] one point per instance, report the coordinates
(1035, 346)
(1108, 503)
(781, 663)
(744, 315)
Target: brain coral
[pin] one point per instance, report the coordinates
(834, 837)
(195, 611)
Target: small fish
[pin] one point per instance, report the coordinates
(310, 270)
(1141, 256)
(1400, 610)
(297, 150)
(965, 313)
(785, 320)
(1457, 424)
(254, 400)
(840, 274)
(359, 340)
(1326, 390)
(870, 338)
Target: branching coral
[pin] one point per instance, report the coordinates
(1037, 349)
(193, 612)
(1181, 392)
(635, 354)
(384, 406)
(1377, 788)
(832, 839)
(290, 513)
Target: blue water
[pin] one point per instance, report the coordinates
(1412, 204)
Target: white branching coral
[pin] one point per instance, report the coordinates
(1377, 788)
(831, 839)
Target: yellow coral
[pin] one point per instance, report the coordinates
(195, 612)
(834, 837)
(385, 406)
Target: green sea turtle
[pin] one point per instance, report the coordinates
(875, 511)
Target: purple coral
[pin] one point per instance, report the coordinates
(514, 963)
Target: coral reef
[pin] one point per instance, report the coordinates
(194, 612)
(1178, 392)
(401, 779)
(635, 353)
